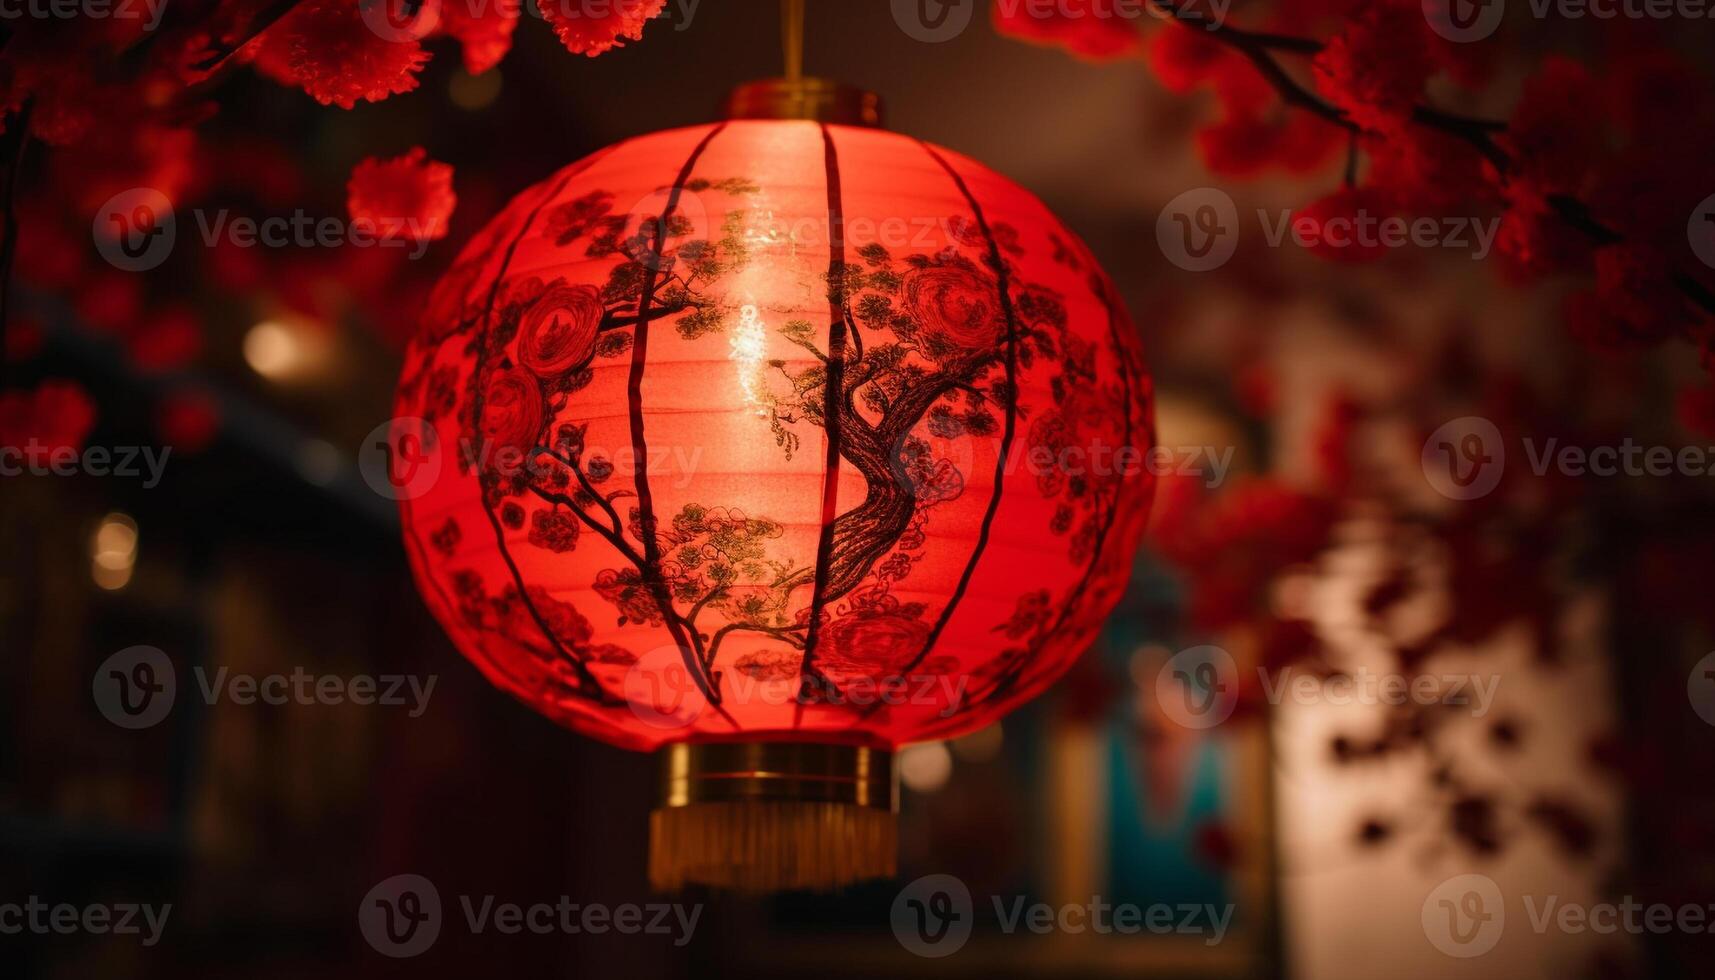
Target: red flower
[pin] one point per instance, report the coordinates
(1214, 845)
(188, 421)
(1184, 57)
(1535, 241)
(409, 196)
(1635, 302)
(1697, 410)
(169, 339)
(66, 109)
(1430, 172)
(554, 530)
(453, 301)
(1375, 68)
(594, 28)
(1335, 225)
(1554, 134)
(512, 412)
(24, 339)
(112, 301)
(47, 254)
(57, 415)
(875, 645)
(1231, 546)
(1087, 29)
(1247, 143)
(568, 625)
(326, 48)
(559, 331)
(483, 29)
(956, 309)
(1656, 95)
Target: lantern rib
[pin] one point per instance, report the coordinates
(687, 638)
(586, 678)
(1003, 285)
(1009, 678)
(833, 392)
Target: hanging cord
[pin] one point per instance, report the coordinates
(792, 37)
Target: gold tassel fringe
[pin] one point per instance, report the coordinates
(770, 845)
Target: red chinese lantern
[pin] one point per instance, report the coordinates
(771, 445)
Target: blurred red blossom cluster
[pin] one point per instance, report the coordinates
(55, 416)
(92, 108)
(407, 196)
(1597, 181)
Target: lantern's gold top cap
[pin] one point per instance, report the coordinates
(818, 99)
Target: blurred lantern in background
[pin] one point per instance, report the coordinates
(773, 445)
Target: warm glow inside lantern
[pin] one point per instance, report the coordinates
(773, 444)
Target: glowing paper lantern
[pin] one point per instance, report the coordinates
(773, 444)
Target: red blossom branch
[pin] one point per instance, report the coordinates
(1260, 48)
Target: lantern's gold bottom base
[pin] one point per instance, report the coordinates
(773, 816)
(768, 845)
